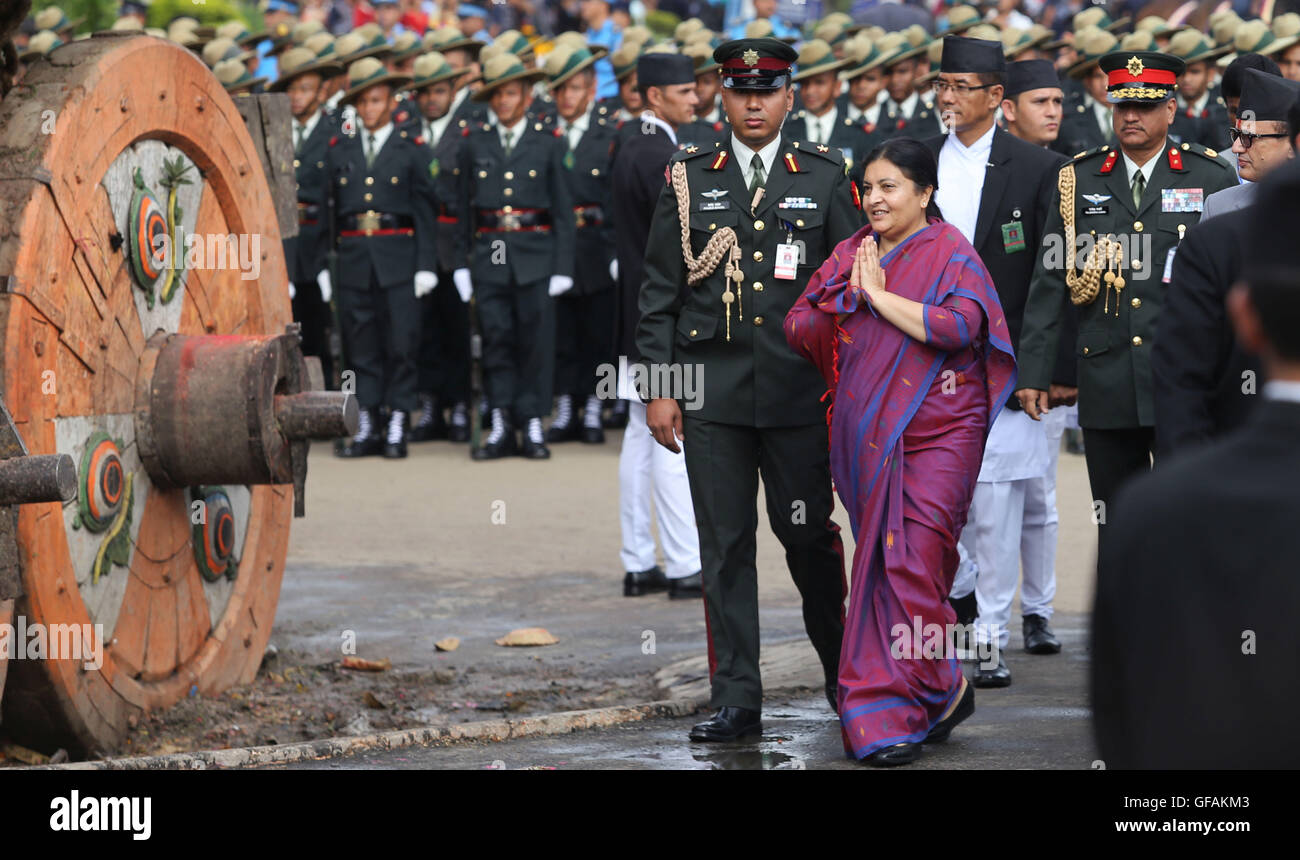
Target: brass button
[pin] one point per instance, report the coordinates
(296, 162)
(758, 225)
(370, 180)
(507, 192)
(1135, 264)
(758, 256)
(343, 180)
(456, 172)
(1137, 303)
(1137, 225)
(798, 222)
(758, 320)
(532, 174)
(713, 226)
(694, 332)
(482, 174)
(510, 174)
(595, 171)
(320, 164)
(758, 286)
(393, 180)
(368, 196)
(1085, 350)
(1137, 341)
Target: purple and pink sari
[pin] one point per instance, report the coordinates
(907, 427)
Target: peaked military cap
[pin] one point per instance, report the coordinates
(1141, 76)
(755, 64)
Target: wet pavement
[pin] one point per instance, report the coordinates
(1040, 722)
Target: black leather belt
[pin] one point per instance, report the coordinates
(363, 221)
(511, 220)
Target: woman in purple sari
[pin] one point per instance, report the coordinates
(904, 323)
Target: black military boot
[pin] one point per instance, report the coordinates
(458, 430)
(500, 440)
(564, 428)
(617, 417)
(534, 444)
(430, 424)
(367, 442)
(395, 442)
(592, 433)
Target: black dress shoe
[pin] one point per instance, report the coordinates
(1039, 638)
(500, 441)
(895, 755)
(533, 450)
(564, 433)
(617, 417)
(944, 727)
(685, 588)
(998, 676)
(728, 724)
(395, 441)
(367, 442)
(637, 583)
(593, 436)
(458, 429)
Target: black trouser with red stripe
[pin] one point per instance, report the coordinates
(723, 463)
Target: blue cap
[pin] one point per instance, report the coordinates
(282, 6)
(468, 10)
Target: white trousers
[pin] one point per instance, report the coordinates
(646, 469)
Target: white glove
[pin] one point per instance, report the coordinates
(323, 281)
(463, 284)
(559, 285)
(424, 283)
(613, 269)
(292, 291)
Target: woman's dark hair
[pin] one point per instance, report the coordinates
(917, 163)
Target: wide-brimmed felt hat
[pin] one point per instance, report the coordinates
(1092, 43)
(1095, 16)
(515, 42)
(431, 68)
(238, 32)
(52, 18)
(1016, 41)
(575, 40)
(1255, 37)
(816, 57)
(1138, 40)
(636, 33)
(235, 77)
(961, 18)
(917, 42)
(832, 33)
(299, 61)
(686, 28)
(406, 45)
(1225, 28)
(1192, 47)
(624, 59)
(502, 69)
(451, 39)
(761, 28)
(355, 46)
(701, 54)
(863, 56)
(563, 62)
(222, 48)
(322, 45)
(934, 54)
(366, 73)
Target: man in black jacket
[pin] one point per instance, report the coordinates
(645, 468)
(1194, 633)
(996, 189)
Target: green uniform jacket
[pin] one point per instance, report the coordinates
(1115, 336)
(755, 380)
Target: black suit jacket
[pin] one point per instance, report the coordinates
(589, 165)
(1020, 179)
(637, 181)
(1196, 365)
(304, 254)
(1198, 564)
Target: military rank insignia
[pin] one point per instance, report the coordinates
(1182, 199)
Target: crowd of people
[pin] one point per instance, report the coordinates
(967, 232)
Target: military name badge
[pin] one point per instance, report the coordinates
(1182, 200)
(787, 261)
(1096, 208)
(1013, 237)
(715, 201)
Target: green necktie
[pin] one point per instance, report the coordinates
(370, 149)
(1139, 185)
(758, 178)
(509, 142)
(297, 137)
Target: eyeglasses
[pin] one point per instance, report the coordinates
(1247, 139)
(960, 89)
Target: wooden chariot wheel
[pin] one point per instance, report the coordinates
(108, 144)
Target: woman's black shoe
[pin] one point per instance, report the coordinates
(944, 727)
(895, 755)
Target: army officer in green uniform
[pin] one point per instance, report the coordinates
(1130, 205)
(736, 234)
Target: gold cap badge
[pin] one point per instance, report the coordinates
(750, 57)
(1135, 67)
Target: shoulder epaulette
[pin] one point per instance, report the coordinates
(690, 151)
(1205, 151)
(1088, 153)
(830, 153)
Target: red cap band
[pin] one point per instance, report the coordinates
(767, 64)
(1148, 76)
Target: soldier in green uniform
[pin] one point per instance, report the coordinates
(380, 208)
(735, 236)
(820, 120)
(1130, 205)
(515, 250)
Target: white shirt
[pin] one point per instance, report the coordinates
(1282, 389)
(458, 100)
(745, 156)
(307, 127)
(907, 106)
(380, 134)
(649, 116)
(517, 130)
(576, 129)
(961, 181)
(1147, 169)
(821, 127)
(433, 129)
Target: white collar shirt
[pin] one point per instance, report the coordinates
(745, 156)
(961, 181)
